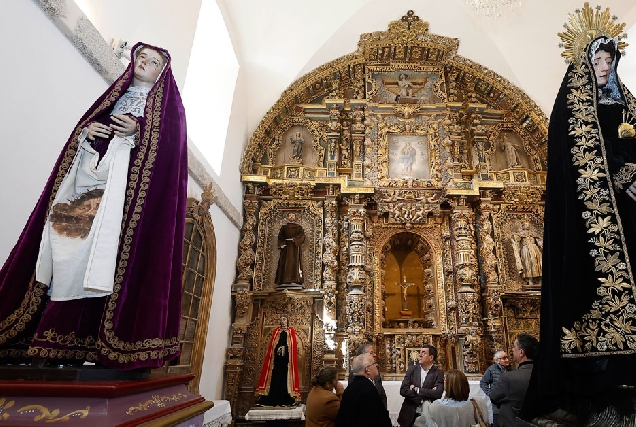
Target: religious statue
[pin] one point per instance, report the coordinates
(333, 149)
(297, 142)
(510, 151)
(528, 255)
(344, 151)
(290, 239)
(90, 251)
(405, 87)
(278, 383)
(407, 158)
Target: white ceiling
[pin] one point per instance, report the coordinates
(277, 41)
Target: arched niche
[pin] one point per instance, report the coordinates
(408, 282)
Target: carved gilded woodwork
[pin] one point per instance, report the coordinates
(402, 139)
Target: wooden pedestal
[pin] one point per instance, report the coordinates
(156, 401)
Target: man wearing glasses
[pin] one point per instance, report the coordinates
(370, 349)
(492, 375)
(423, 381)
(361, 404)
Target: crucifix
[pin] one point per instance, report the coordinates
(405, 285)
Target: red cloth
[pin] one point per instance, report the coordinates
(293, 383)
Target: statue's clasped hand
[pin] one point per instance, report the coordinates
(123, 125)
(98, 129)
(280, 351)
(631, 190)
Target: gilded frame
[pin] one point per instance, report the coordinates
(269, 222)
(431, 234)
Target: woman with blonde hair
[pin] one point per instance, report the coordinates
(454, 409)
(322, 403)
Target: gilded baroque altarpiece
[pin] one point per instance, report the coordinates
(417, 177)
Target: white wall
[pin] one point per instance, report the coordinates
(212, 385)
(46, 86)
(235, 143)
(165, 23)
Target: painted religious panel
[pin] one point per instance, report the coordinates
(408, 157)
(404, 87)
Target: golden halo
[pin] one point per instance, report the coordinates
(585, 25)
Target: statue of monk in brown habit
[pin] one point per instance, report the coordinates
(290, 240)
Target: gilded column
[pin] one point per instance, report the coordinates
(469, 310)
(242, 296)
(330, 271)
(356, 276)
(488, 259)
(333, 141)
(245, 262)
(357, 135)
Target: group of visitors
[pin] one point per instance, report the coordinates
(431, 398)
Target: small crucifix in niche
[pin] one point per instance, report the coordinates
(405, 312)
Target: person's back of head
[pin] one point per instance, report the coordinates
(456, 385)
(327, 374)
(529, 345)
(364, 348)
(361, 362)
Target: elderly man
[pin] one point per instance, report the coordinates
(510, 391)
(423, 381)
(492, 375)
(368, 348)
(361, 404)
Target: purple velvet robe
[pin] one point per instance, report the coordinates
(137, 326)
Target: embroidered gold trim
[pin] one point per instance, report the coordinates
(16, 322)
(625, 175)
(610, 325)
(140, 173)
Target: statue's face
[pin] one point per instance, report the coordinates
(291, 216)
(283, 322)
(148, 65)
(602, 66)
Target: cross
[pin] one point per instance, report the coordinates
(404, 284)
(409, 18)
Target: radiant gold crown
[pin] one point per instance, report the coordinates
(585, 25)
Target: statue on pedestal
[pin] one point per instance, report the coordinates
(278, 383)
(289, 272)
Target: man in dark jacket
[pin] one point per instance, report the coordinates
(423, 381)
(510, 391)
(361, 404)
(368, 348)
(492, 375)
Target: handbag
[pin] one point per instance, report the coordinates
(479, 421)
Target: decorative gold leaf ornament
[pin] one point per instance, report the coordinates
(585, 25)
(626, 129)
